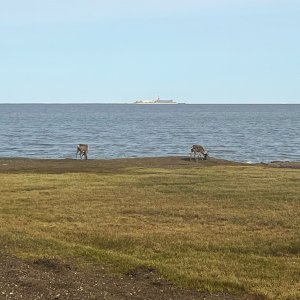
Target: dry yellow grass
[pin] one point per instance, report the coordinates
(222, 228)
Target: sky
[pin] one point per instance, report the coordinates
(120, 51)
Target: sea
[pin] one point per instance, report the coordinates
(244, 133)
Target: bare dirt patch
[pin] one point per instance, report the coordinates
(51, 279)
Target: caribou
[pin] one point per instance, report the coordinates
(198, 151)
(82, 149)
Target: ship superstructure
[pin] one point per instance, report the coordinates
(157, 101)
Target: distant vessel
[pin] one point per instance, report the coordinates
(157, 101)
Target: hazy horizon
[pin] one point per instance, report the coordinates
(128, 102)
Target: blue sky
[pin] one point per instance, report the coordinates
(213, 51)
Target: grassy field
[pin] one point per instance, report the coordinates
(228, 228)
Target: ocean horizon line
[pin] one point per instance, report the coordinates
(130, 103)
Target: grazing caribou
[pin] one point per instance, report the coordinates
(82, 149)
(198, 151)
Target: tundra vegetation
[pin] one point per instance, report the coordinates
(230, 228)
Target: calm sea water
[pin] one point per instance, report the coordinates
(253, 133)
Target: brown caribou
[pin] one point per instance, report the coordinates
(82, 149)
(198, 151)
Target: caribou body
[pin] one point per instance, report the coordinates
(82, 149)
(198, 151)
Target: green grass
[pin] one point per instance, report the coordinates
(226, 228)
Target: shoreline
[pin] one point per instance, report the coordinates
(69, 165)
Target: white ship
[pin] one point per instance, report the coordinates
(157, 101)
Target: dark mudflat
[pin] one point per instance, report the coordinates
(48, 166)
